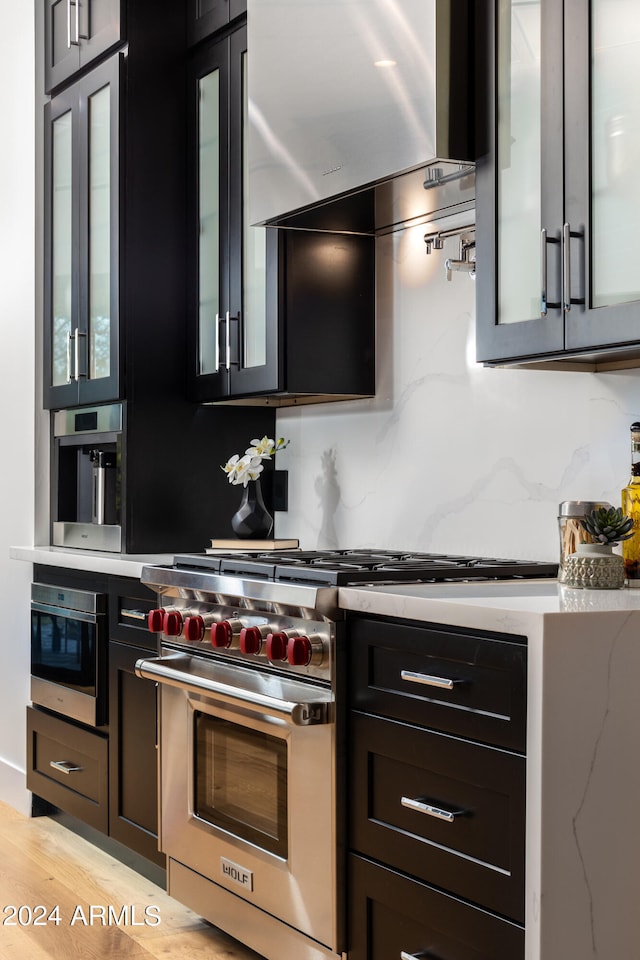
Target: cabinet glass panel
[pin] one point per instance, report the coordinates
(518, 151)
(615, 138)
(209, 200)
(99, 234)
(254, 268)
(61, 243)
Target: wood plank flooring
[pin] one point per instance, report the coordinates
(42, 864)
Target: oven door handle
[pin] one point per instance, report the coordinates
(65, 612)
(301, 714)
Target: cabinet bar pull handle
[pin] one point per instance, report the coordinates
(544, 302)
(217, 336)
(543, 272)
(420, 955)
(227, 341)
(78, 334)
(566, 267)
(64, 766)
(70, 339)
(444, 683)
(77, 3)
(421, 807)
(70, 42)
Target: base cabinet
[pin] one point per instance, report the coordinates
(68, 766)
(393, 916)
(133, 792)
(436, 800)
(105, 777)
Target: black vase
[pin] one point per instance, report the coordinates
(252, 519)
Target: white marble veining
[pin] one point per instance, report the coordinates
(583, 779)
(451, 456)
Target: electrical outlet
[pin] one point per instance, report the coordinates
(281, 490)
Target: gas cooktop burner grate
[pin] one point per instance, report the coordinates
(343, 567)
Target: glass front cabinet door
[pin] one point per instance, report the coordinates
(81, 240)
(558, 192)
(231, 342)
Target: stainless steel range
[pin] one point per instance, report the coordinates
(251, 732)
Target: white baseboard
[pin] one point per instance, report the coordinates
(13, 789)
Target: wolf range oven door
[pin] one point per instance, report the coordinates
(248, 787)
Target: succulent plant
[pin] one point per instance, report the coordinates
(608, 525)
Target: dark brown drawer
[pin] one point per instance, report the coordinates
(129, 604)
(393, 917)
(55, 746)
(464, 683)
(442, 809)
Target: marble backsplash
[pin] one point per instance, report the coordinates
(451, 456)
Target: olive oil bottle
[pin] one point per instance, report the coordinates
(631, 507)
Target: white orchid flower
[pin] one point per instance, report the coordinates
(240, 470)
(261, 448)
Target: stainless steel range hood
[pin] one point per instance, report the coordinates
(344, 97)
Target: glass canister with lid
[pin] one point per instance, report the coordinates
(570, 529)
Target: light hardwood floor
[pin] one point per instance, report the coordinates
(44, 864)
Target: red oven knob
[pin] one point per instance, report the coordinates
(221, 634)
(250, 640)
(299, 651)
(276, 646)
(172, 624)
(193, 628)
(155, 620)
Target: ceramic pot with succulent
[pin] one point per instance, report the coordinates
(594, 565)
(252, 519)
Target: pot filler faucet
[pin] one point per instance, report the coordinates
(464, 263)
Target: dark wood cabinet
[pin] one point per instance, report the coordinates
(82, 209)
(394, 916)
(557, 198)
(288, 316)
(441, 810)
(133, 791)
(133, 730)
(437, 774)
(67, 764)
(77, 33)
(106, 778)
(205, 17)
(114, 283)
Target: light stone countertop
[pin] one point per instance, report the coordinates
(94, 561)
(512, 606)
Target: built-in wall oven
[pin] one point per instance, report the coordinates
(69, 652)
(251, 670)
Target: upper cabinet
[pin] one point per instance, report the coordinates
(76, 33)
(114, 222)
(557, 194)
(285, 317)
(81, 229)
(205, 17)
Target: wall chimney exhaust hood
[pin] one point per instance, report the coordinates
(345, 97)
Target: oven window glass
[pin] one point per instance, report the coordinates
(63, 651)
(241, 782)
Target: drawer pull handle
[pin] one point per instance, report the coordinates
(421, 955)
(444, 683)
(64, 766)
(421, 807)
